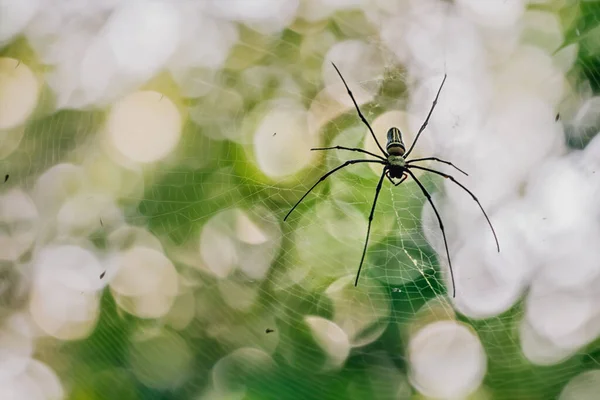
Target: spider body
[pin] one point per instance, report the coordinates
(397, 165)
(395, 150)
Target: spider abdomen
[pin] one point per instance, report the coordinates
(395, 144)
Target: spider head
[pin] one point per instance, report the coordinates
(395, 144)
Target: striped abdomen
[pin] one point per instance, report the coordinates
(395, 144)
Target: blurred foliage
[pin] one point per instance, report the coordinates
(183, 196)
(586, 33)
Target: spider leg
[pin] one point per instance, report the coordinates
(325, 177)
(387, 175)
(466, 190)
(350, 149)
(362, 117)
(437, 214)
(426, 119)
(439, 160)
(383, 174)
(404, 176)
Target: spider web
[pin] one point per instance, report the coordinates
(142, 270)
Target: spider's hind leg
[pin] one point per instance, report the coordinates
(441, 224)
(377, 190)
(387, 175)
(404, 176)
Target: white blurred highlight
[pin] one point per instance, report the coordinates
(493, 13)
(441, 41)
(280, 152)
(457, 117)
(546, 81)
(446, 360)
(16, 347)
(584, 386)
(99, 75)
(205, 41)
(564, 200)
(558, 315)
(10, 140)
(142, 34)
(55, 185)
(236, 238)
(218, 251)
(266, 16)
(225, 103)
(104, 50)
(524, 120)
(21, 388)
(81, 214)
(143, 281)
(65, 299)
(144, 127)
(539, 350)
(46, 379)
(141, 270)
(484, 286)
(74, 267)
(20, 217)
(332, 339)
(329, 240)
(362, 67)
(248, 232)
(361, 312)
(19, 91)
(14, 17)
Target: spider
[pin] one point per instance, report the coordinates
(396, 165)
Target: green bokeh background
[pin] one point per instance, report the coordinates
(179, 197)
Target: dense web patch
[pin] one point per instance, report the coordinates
(153, 149)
